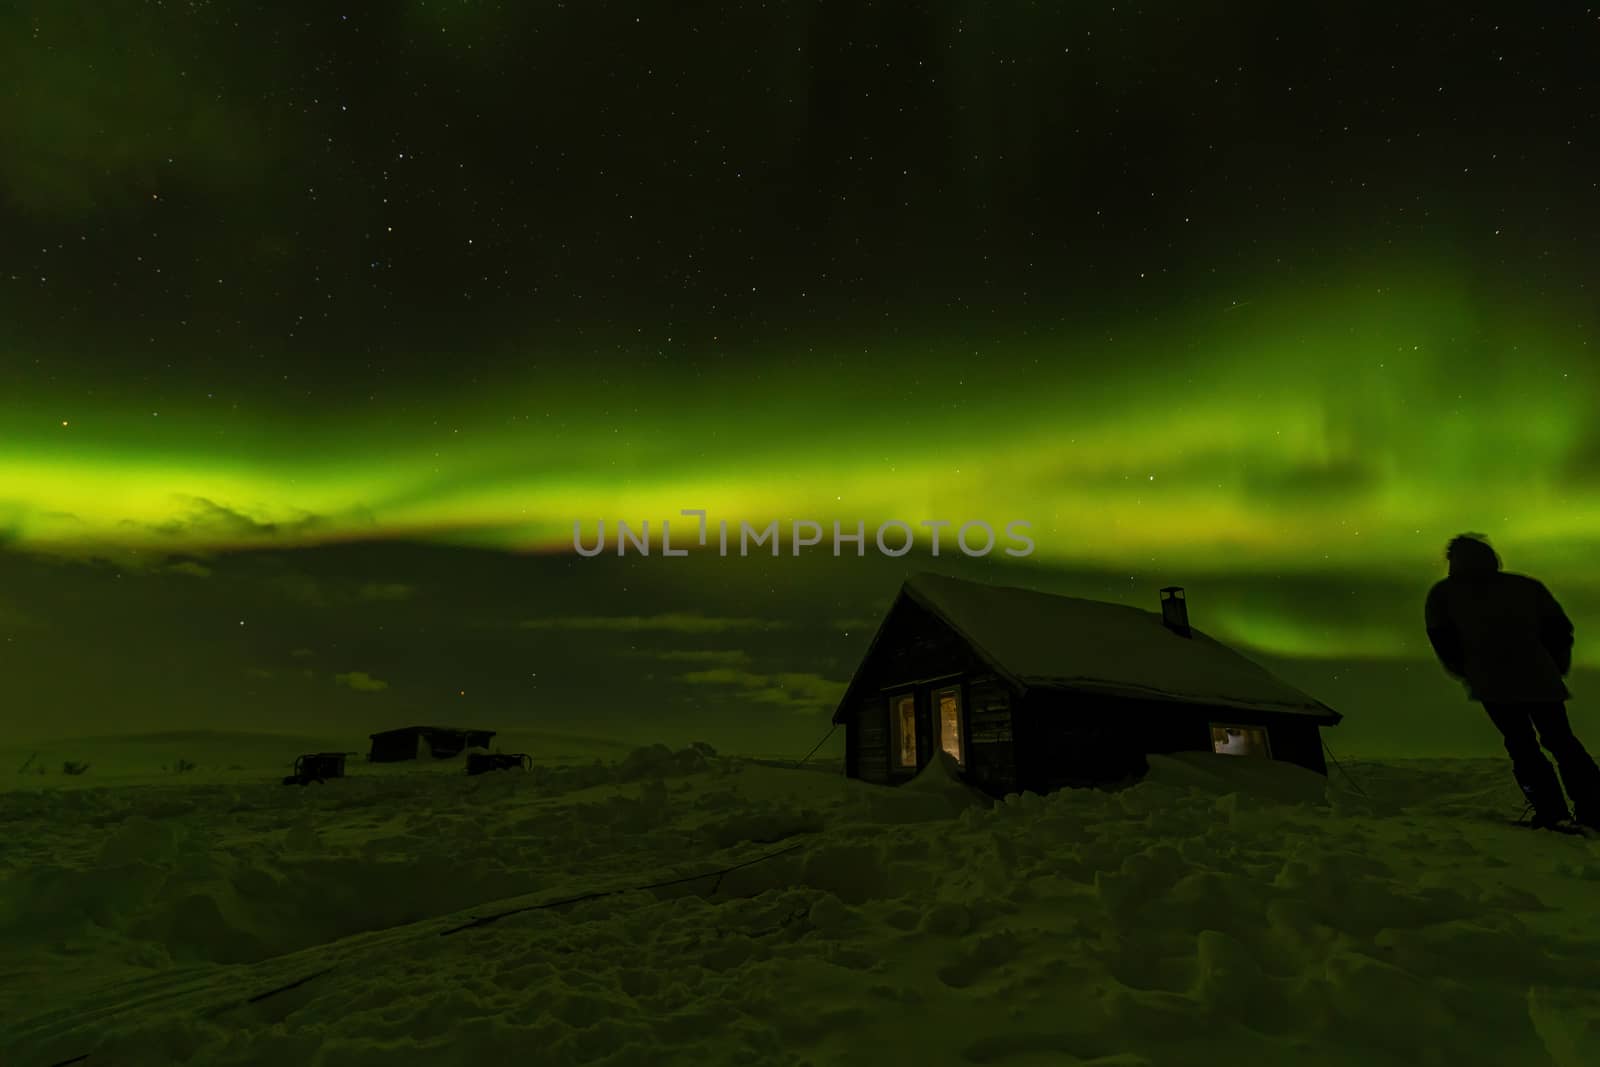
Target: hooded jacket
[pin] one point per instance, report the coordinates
(1504, 634)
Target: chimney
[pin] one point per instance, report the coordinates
(1175, 610)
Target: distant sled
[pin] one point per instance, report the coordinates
(1027, 690)
(483, 762)
(316, 767)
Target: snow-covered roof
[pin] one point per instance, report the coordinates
(1048, 641)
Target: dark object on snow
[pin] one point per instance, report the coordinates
(1560, 826)
(316, 767)
(442, 742)
(1506, 636)
(480, 762)
(1033, 691)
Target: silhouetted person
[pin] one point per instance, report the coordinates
(1511, 642)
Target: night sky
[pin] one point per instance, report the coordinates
(320, 327)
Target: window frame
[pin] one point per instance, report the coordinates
(896, 736)
(936, 720)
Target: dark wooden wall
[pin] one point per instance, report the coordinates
(867, 741)
(391, 747)
(991, 750)
(1296, 740)
(1061, 732)
(1064, 742)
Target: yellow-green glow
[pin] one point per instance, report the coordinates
(1356, 429)
(1295, 635)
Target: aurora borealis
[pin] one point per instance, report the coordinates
(298, 305)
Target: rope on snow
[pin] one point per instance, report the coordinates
(1344, 772)
(802, 760)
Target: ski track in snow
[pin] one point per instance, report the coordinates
(1224, 909)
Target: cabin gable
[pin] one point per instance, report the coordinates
(922, 687)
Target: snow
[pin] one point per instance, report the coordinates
(1223, 909)
(1041, 639)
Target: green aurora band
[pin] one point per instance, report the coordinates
(1353, 429)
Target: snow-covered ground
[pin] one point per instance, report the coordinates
(1225, 910)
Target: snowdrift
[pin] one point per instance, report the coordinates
(681, 907)
(1261, 779)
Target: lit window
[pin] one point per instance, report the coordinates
(905, 728)
(948, 704)
(1240, 740)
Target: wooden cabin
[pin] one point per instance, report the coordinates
(442, 742)
(1034, 691)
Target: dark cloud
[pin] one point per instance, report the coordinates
(727, 657)
(672, 622)
(327, 592)
(385, 591)
(1340, 478)
(788, 691)
(360, 681)
(300, 588)
(206, 519)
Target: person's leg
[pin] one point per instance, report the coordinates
(1528, 765)
(1578, 771)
